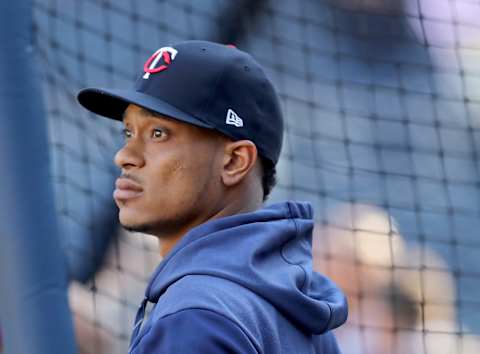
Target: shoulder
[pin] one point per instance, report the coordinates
(209, 292)
(246, 309)
(193, 330)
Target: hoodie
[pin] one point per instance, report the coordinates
(242, 284)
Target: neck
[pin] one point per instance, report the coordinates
(237, 206)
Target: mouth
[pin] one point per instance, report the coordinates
(126, 189)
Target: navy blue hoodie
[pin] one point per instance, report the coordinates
(242, 284)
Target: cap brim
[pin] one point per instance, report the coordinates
(113, 103)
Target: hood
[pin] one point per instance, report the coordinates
(267, 251)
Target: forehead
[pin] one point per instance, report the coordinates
(133, 112)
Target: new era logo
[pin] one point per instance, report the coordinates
(234, 119)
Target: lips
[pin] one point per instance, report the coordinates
(126, 189)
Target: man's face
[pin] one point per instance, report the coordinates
(170, 173)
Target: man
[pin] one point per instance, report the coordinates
(203, 131)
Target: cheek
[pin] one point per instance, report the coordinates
(175, 182)
(180, 179)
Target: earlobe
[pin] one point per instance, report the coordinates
(240, 157)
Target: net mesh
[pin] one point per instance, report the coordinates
(382, 109)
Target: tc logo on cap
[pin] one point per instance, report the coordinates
(159, 61)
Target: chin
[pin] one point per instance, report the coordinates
(143, 228)
(132, 222)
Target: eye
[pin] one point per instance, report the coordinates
(127, 134)
(158, 133)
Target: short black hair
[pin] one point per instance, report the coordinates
(269, 176)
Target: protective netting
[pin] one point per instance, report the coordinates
(382, 108)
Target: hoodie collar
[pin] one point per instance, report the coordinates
(267, 251)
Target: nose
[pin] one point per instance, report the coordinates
(130, 155)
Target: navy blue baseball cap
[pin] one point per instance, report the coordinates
(206, 84)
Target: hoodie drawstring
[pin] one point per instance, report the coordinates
(138, 322)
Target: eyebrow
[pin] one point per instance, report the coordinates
(145, 112)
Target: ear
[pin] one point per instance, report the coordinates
(240, 157)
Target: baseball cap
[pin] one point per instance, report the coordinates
(206, 84)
